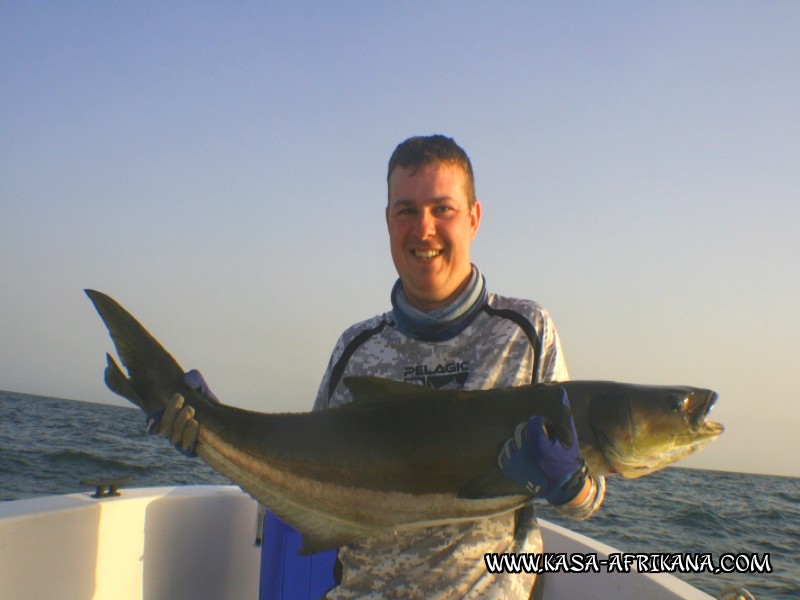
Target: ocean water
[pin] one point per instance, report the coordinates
(48, 445)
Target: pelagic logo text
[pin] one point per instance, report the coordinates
(451, 374)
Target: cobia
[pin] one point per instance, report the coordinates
(403, 456)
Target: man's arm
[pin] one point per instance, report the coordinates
(588, 501)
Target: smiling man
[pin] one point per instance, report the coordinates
(446, 330)
(432, 216)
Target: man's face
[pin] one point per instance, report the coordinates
(431, 227)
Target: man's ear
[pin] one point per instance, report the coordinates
(475, 216)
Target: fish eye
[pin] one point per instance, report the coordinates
(678, 403)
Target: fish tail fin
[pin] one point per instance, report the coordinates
(153, 374)
(119, 383)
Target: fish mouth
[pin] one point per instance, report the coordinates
(642, 457)
(700, 423)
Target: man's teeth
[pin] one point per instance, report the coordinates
(427, 253)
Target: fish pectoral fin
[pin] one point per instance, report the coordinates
(322, 533)
(319, 542)
(320, 530)
(491, 484)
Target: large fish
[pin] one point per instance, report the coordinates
(402, 456)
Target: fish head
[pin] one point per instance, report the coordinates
(642, 429)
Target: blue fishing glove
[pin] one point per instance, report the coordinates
(176, 421)
(195, 381)
(540, 463)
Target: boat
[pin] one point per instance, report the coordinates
(203, 542)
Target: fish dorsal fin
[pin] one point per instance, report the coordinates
(376, 391)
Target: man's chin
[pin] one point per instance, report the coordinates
(425, 297)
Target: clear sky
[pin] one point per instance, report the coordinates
(220, 170)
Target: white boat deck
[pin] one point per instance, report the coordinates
(198, 542)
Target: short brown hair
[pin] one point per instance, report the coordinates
(418, 151)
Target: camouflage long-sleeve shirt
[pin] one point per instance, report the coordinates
(509, 342)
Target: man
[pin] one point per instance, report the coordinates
(446, 330)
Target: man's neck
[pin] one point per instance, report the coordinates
(446, 320)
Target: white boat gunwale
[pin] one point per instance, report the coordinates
(198, 541)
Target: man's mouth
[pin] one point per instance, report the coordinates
(426, 254)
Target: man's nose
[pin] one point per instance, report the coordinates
(426, 224)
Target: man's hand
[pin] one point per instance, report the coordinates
(176, 421)
(535, 460)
